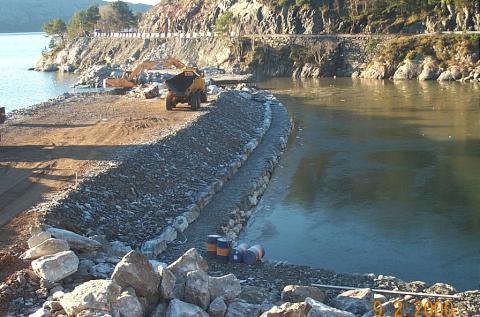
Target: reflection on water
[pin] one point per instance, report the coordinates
(379, 177)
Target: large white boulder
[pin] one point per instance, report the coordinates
(167, 284)
(287, 310)
(54, 268)
(177, 308)
(189, 261)
(357, 302)
(298, 293)
(75, 241)
(96, 295)
(321, 310)
(128, 305)
(47, 247)
(196, 289)
(38, 238)
(136, 271)
(227, 286)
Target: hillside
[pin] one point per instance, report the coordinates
(30, 15)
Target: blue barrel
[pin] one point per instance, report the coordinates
(212, 245)
(236, 255)
(253, 254)
(223, 249)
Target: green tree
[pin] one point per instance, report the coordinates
(117, 16)
(78, 24)
(55, 28)
(92, 16)
(224, 23)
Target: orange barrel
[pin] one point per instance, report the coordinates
(223, 249)
(236, 255)
(212, 245)
(3, 116)
(254, 254)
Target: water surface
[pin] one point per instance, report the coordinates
(20, 87)
(378, 177)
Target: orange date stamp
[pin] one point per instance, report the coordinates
(424, 308)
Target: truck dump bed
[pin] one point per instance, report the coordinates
(181, 82)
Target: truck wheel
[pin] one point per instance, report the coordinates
(203, 96)
(169, 102)
(195, 101)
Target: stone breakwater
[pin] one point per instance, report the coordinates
(162, 188)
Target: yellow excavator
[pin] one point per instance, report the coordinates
(131, 80)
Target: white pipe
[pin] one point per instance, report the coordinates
(386, 291)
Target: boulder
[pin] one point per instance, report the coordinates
(118, 248)
(321, 310)
(75, 241)
(167, 285)
(287, 310)
(177, 308)
(298, 293)
(430, 70)
(160, 310)
(217, 308)
(441, 288)
(41, 312)
(409, 70)
(180, 223)
(240, 308)
(136, 271)
(128, 305)
(47, 247)
(446, 76)
(227, 286)
(54, 268)
(376, 70)
(96, 295)
(156, 246)
(38, 238)
(355, 301)
(189, 261)
(50, 67)
(196, 289)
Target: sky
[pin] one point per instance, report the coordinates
(152, 2)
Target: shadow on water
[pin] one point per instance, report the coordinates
(380, 177)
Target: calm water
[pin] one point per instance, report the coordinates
(378, 177)
(19, 87)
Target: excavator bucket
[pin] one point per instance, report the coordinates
(119, 83)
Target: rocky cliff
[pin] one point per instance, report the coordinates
(360, 54)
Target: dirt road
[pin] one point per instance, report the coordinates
(43, 152)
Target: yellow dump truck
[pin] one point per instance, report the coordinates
(186, 87)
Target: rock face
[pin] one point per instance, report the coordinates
(177, 308)
(355, 301)
(96, 295)
(75, 241)
(54, 268)
(136, 271)
(297, 293)
(430, 70)
(47, 247)
(196, 289)
(190, 261)
(228, 287)
(376, 70)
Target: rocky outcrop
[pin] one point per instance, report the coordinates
(298, 293)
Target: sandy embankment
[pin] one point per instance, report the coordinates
(43, 149)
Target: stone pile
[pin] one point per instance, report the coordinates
(140, 287)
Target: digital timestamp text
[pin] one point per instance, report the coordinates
(424, 308)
